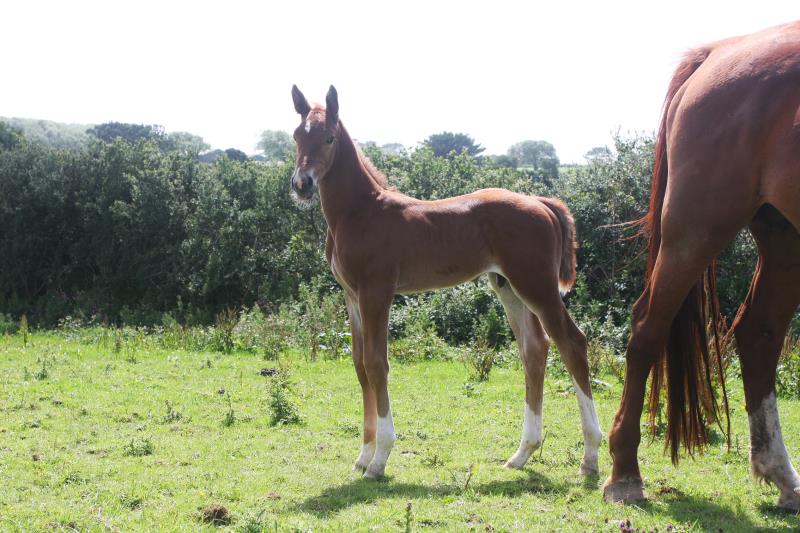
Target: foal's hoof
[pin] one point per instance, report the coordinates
(624, 490)
(514, 463)
(589, 469)
(790, 501)
(374, 471)
(359, 467)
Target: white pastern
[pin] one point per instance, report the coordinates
(591, 431)
(365, 457)
(768, 455)
(385, 440)
(530, 441)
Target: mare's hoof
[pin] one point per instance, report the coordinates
(790, 501)
(624, 490)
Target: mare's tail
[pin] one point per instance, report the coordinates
(685, 364)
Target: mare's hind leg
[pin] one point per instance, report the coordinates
(770, 304)
(680, 263)
(533, 344)
(541, 297)
(367, 394)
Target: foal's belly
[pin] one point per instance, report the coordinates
(421, 277)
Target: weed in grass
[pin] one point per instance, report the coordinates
(284, 411)
(26, 374)
(230, 416)
(172, 415)
(118, 340)
(255, 523)
(469, 390)
(433, 461)
(138, 447)
(479, 360)
(131, 502)
(226, 321)
(409, 517)
(464, 485)
(131, 358)
(23, 329)
(43, 373)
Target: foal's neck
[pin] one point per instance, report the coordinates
(348, 185)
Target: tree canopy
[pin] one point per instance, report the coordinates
(447, 143)
(275, 144)
(537, 156)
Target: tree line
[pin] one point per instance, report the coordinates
(133, 224)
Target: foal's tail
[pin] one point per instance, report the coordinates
(566, 270)
(685, 362)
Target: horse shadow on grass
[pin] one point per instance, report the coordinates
(358, 491)
(706, 515)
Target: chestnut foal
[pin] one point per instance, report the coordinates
(381, 242)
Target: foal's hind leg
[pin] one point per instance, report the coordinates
(770, 304)
(542, 298)
(367, 394)
(532, 343)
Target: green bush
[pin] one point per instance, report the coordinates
(419, 341)
(8, 326)
(787, 379)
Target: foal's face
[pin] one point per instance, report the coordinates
(316, 144)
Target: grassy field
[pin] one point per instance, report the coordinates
(96, 436)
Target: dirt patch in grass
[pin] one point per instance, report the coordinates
(215, 514)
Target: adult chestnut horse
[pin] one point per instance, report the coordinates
(727, 157)
(381, 242)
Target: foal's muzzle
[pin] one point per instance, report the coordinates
(303, 185)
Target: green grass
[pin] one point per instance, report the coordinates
(140, 439)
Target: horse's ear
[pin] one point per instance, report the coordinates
(331, 107)
(300, 102)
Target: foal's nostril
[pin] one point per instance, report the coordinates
(306, 182)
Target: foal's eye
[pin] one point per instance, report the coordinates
(329, 140)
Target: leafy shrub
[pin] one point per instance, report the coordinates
(787, 379)
(420, 341)
(8, 326)
(322, 318)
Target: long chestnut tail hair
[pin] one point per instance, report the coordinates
(684, 366)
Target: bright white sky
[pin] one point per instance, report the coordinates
(501, 71)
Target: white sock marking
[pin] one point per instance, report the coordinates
(591, 429)
(531, 438)
(768, 455)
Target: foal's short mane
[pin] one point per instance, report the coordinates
(379, 177)
(373, 172)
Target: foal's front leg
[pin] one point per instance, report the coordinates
(368, 396)
(374, 309)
